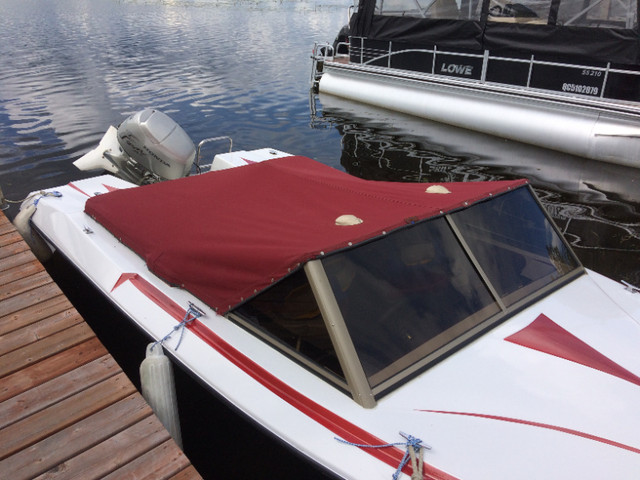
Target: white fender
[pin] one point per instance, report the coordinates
(158, 389)
(38, 246)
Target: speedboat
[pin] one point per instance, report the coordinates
(380, 329)
(561, 74)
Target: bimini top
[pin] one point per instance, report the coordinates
(226, 235)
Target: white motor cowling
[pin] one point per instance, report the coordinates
(147, 147)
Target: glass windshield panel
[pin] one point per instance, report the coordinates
(405, 295)
(289, 312)
(515, 244)
(443, 9)
(599, 13)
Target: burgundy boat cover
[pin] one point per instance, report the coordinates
(227, 235)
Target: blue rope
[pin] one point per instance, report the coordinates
(412, 441)
(54, 193)
(190, 315)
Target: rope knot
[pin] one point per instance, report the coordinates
(42, 194)
(414, 452)
(190, 315)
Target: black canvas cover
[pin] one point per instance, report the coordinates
(555, 33)
(462, 34)
(592, 44)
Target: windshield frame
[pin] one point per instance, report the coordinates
(356, 382)
(472, 327)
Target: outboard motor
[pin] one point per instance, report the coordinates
(147, 147)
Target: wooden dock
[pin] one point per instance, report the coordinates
(67, 410)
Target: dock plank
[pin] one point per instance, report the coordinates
(34, 313)
(44, 348)
(186, 474)
(56, 390)
(11, 243)
(5, 226)
(47, 455)
(36, 295)
(9, 238)
(23, 284)
(50, 368)
(38, 426)
(67, 410)
(20, 271)
(9, 249)
(16, 260)
(39, 330)
(153, 465)
(123, 448)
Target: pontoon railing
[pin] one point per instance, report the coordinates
(320, 53)
(596, 78)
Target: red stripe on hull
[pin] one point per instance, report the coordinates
(336, 424)
(556, 428)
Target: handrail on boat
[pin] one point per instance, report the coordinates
(321, 52)
(374, 56)
(209, 140)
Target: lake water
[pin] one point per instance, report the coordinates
(71, 68)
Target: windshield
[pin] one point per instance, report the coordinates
(415, 291)
(405, 299)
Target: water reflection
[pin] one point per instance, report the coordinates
(595, 204)
(71, 68)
